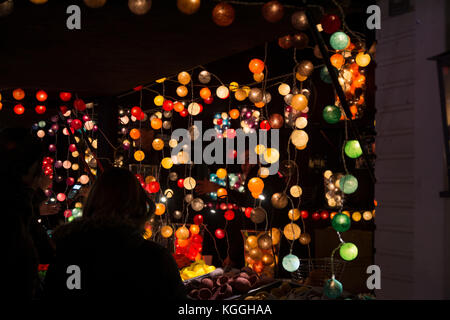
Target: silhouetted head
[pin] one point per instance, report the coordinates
(118, 195)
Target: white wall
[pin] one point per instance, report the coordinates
(411, 239)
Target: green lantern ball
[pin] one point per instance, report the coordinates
(332, 289)
(41, 124)
(325, 75)
(341, 222)
(353, 149)
(348, 184)
(331, 114)
(348, 251)
(291, 262)
(339, 40)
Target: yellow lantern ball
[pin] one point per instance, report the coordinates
(367, 215)
(299, 138)
(167, 163)
(292, 231)
(158, 144)
(184, 78)
(356, 216)
(271, 155)
(166, 231)
(259, 149)
(234, 86)
(362, 59)
(168, 193)
(221, 173)
(160, 209)
(299, 102)
(284, 89)
(139, 155)
(296, 191)
(252, 242)
(294, 214)
(159, 100)
(173, 143)
(194, 229)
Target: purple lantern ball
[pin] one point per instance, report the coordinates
(48, 192)
(95, 128)
(58, 164)
(70, 181)
(54, 119)
(236, 185)
(86, 118)
(126, 145)
(248, 114)
(52, 148)
(123, 131)
(288, 108)
(210, 204)
(69, 121)
(55, 127)
(251, 125)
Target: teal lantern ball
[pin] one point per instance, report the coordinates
(341, 222)
(332, 288)
(348, 184)
(325, 75)
(331, 114)
(291, 262)
(348, 251)
(353, 149)
(339, 40)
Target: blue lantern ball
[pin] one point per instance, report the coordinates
(348, 184)
(291, 262)
(339, 40)
(332, 288)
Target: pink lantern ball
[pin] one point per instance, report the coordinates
(61, 197)
(52, 148)
(67, 213)
(58, 164)
(86, 118)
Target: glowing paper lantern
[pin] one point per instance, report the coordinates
(221, 193)
(156, 123)
(255, 185)
(182, 91)
(348, 251)
(299, 138)
(189, 183)
(139, 7)
(19, 109)
(94, 3)
(284, 89)
(256, 66)
(182, 233)
(353, 149)
(330, 23)
(160, 208)
(194, 108)
(40, 109)
(188, 6)
(135, 134)
(337, 60)
(18, 94)
(276, 236)
(341, 222)
(184, 78)
(158, 144)
(166, 231)
(221, 173)
(61, 197)
(296, 191)
(331, 114)
(292, 231)
(222, 92)
(291, 262)
(271, 155)
(348, 184)
(339, 40)
(367, 215)
(40, 133)
(294, 214)
(299, 102)
(362, 59)
(332, 289)
(84, 179)
(219, 233)
(167, 163)
(139, 155)
(223, 14)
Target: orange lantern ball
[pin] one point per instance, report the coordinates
(222, 193)
(183, 243)
(178, 107)
(256, 66)
(258, 267)
(160, 209)
(19, 109)
(182, 233)
(258, 77)
(259, 104)
(18, 94)
(359, 81)
(205, 93)
(194, 229)
(156, 123)
(158, 144)
(337, 60)
(135, 134)
(182, 91)
(234, 113)
(41, 95)
(255, 185)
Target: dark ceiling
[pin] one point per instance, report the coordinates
(116, 50)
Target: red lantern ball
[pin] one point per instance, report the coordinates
(330, 23)
(180, 183)
(41, 95)
(70, 181)
(19, 109)
(220, 233)
(209, 100)
(223, 206)
(196, 238)
(79, 105)
(153, 186)
(139, 177)
(136, 111)
(229, 215)
(248, 212)
(324, 215)
(264, 125)
(67, 213)
(183, 113)
(72, 148)
(76, 124)
(304, 214)
(316, 216)
(167, 105)
(40, 109)
(65, 96)
(198, 219)
(63, 109)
